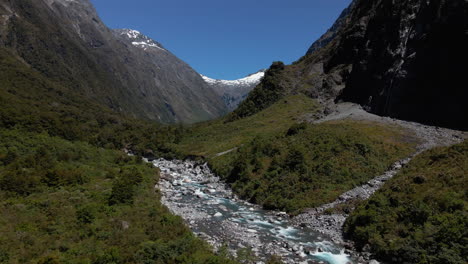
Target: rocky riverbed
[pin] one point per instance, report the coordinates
(214, 213)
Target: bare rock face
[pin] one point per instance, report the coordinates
(403, 59)
(66, 41)
(410, 60)
(326, 38)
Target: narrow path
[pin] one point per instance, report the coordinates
(225, 152)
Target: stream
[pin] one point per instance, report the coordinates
(215, 214)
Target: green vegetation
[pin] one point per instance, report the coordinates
(284, 164)
(33, 103)
(209, 138)
(70, 202)
(420, 215)
(67, 195)
(309, 165)
(264, 95)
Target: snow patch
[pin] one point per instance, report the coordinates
(133, 34)
(140, 40)
(144, 44)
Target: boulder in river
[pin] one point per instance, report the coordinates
(218, 214)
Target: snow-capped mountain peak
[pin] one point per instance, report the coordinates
(139, 40)
(234, 91)
(250, 80)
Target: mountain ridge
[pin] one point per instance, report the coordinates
(234, 92)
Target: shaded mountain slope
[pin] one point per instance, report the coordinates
(67, 42)
(31, 102)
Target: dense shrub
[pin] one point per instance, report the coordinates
(70, 202)
(310, 164)
(420, 215)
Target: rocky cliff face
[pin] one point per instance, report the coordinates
(331, 33)
(234, 92)
(410, 62)
(403, 59)
(66, 41)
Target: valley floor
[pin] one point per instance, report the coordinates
(329, 218)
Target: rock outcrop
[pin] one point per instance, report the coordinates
(409, 60)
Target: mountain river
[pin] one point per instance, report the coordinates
(190, 190)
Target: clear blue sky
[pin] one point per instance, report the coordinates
(226, 39)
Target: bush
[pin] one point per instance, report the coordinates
(296, 128)
(122, 192)
(22, 181)
(310, 164)
(418, 219)
(85, 215)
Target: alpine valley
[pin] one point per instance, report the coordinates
(113, 150)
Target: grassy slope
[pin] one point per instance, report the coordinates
(331, 158)
(310, 165)
(207, 139)
(74, 203)
(420, 215)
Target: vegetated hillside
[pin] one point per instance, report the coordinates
(209, 138)
(420, 216)
(66, 195)
(31, 102)
(309, 165)
(269, 91)
(69, 202)
(67, 42)
(407, 63)
(281, 163)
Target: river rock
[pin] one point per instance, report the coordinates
(125, 225)
(218, 214)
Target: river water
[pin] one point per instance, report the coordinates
(215, 214)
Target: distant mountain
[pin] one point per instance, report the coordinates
(185, 95)
(407, 63)
(66, 41)
(234, 92)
